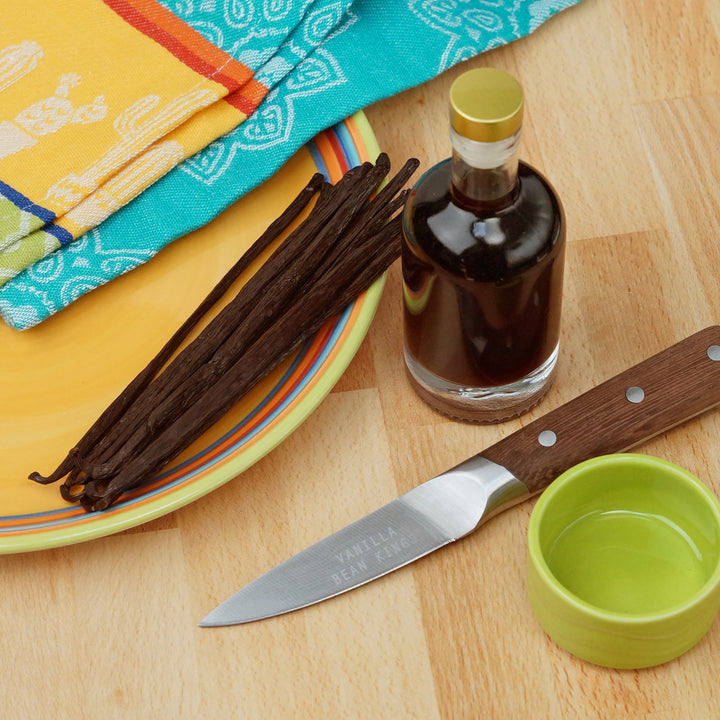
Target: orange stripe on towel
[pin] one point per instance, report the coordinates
(187, 45)
(247, 99)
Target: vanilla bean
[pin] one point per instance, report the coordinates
(302, 321)
(348, 239)
(190, 358)
(376, 213)
(115, 410)
(391, 189)
(295, 265)
(193, 357)
(363, 235)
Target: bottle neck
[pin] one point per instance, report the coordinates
(484, 173)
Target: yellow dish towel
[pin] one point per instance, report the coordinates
(92, 102)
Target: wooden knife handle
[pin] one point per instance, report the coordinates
(630, 408)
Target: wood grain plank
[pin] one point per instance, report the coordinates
(688, 180)
(144, 613)
(671, 49)
(39, 643)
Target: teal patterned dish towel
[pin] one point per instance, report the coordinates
(377, 49)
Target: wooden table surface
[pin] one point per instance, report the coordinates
(623, 106)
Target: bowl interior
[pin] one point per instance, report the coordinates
(628, 534)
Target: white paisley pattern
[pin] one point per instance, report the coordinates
(273, 123)
(469, 26)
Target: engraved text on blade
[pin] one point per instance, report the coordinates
(376, 549)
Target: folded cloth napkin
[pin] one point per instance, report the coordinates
(288, 34)
(381, 48)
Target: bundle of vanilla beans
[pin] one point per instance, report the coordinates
(348, 239)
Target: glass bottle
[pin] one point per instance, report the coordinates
(483, 260)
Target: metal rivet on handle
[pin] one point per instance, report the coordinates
(635, 394)
(547, 438)
(713, 352)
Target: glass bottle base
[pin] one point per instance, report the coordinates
(482, 404)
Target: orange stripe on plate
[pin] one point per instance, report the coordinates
(187, 45)
(357, 139)
(330, 160)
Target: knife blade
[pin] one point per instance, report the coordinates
(641, 402)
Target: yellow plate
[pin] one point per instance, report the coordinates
(59, 376)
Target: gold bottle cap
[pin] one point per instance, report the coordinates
(486, 105)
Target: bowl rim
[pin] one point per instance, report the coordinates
(566, 596)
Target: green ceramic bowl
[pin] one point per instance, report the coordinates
(624, 560)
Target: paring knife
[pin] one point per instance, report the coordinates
(632, 407)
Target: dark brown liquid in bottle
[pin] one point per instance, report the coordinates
(482, 286)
